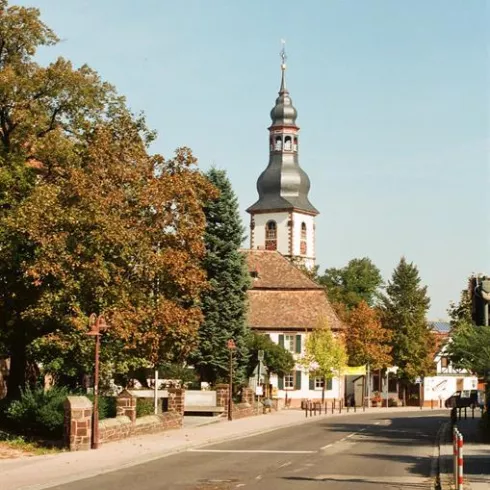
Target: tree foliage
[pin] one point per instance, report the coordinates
(367, 341)
(404, 313)
(360, 280)
(277, 359)
(325, 353)
(469, 348)
(89, 220)
(224, 304)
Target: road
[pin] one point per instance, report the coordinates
(363, 451)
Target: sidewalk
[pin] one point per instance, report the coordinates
(476, 456)
(38, 472)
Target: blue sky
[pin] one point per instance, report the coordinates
(393, 106)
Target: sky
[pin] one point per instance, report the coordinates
(392, 98)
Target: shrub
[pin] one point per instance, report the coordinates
(38, 412)
(144, 406)
(106, 406)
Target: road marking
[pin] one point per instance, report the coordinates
(327, 446)
(350, 435)
(258, 477)
(285, 464)
(240, 485)
(342, 440)
(377, 423)
(361, 430)
(264, 451)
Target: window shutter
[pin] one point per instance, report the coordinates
(280, 382)
(281, 340)
(312, 381)
(297, 384)
(298, 344)
(329, 384)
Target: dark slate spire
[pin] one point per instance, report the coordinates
(283, 185)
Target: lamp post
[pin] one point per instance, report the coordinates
(231, 347)
(97, 325)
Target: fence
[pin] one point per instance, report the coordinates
(316, 408)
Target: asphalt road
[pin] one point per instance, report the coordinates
(363, 451)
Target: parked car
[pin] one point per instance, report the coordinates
(466, 398)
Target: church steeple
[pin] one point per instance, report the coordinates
(283, 186)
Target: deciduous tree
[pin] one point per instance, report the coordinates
(89, 221)
(325, 354)
(368, 342)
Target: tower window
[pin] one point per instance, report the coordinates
(302, 243)
(295, 144)
(287, 143)
(271, 235)
(278, 146)
(271, 142)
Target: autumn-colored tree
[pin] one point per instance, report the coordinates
(367, 341)
(89, 221)
(325, 354)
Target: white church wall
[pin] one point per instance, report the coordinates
(281, 220)
(309, 221)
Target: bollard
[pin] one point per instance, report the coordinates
(311, 408)
(455, 456)
(432, 404)
(340, 406)
(333, 405)
(306, 408)
(472, 412)
(314, 408)
(465, 413)
(460, 462)
(355, 407)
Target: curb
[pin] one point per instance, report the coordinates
(444, 475)
(198, 444)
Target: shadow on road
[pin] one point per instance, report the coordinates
(365, 480)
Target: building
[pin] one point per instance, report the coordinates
(283, 218)
(284, 302)
(448, 379)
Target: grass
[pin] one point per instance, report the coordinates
(25, 445)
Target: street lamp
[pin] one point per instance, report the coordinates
(231, 347)
(97, 326)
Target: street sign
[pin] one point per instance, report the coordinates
(259, 390)
(418, 380)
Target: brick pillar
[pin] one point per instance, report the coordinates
(78, 423)
(176, 400)
(248, 396)
(126, 405)
(222, 396)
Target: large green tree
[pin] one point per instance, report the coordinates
(224, 304)
(404, 312)
(89, 221)
(360, 280)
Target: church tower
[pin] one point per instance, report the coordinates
(283, 218)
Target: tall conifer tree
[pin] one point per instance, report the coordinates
(405, 309)
(224, 304)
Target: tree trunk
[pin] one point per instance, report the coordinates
(18, 365)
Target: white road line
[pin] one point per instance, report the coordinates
(327, 446)
(350, 435)
(285, 464)
(361, 430)
(258, 477)
(377, 423)
(258, 451)
(342, 440)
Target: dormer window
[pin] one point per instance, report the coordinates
(302, 243)
(271, 235)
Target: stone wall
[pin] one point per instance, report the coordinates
(240, 410)
(78, 419)
(78, 423)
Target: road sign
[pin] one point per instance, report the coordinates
(418, 380)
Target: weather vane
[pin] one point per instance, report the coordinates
(283, 54)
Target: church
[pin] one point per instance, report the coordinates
(284, 302)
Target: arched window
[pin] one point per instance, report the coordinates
(302, 242)
(287, 143)
(271, 235)
(278, 146)
(295, 144)
(271, 142)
